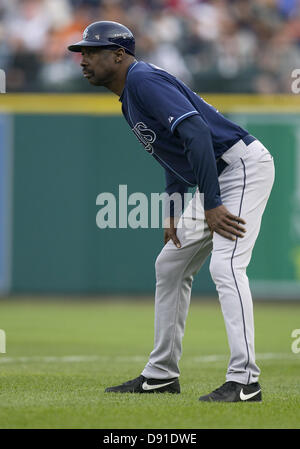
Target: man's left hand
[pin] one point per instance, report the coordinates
(220, 220)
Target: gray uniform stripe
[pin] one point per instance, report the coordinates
(237, 288)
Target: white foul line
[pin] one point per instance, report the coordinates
(135, 358)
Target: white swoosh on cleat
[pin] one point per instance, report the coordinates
(146, 386)
(245, 397)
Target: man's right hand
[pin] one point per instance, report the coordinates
(170, 232)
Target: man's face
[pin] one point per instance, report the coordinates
(98, 65)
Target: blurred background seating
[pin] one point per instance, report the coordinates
(213, 45)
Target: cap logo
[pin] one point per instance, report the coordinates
(85, 33)
(97, 36)
(123, 35)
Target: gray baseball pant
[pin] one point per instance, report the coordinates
(245, 186)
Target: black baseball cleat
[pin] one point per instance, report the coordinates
(143, 385)
(234, 392)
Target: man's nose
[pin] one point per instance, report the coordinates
(83, 62)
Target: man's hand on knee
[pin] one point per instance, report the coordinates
(220, 220)
(170, 231)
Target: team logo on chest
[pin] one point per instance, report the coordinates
(145, 135)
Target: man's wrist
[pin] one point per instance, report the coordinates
(212, 203)
(171, 221)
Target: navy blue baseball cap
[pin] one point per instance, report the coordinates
(106, 34)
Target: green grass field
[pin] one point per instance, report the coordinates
(62, 354)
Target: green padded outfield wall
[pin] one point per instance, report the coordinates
(66, 162)
(63, 158)
(275, 267)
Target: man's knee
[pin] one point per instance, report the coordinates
(161, 265)
(223, 268)
(220, 269)
(167, 266)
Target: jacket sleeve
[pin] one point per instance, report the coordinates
(197, 143)
(175, 199)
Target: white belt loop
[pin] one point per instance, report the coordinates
(237, 151)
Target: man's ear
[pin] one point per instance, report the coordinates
(119, 55)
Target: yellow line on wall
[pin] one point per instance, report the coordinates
(255, 103)
(108, 104)
(60, 104)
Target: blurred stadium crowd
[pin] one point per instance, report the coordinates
(213, 45)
